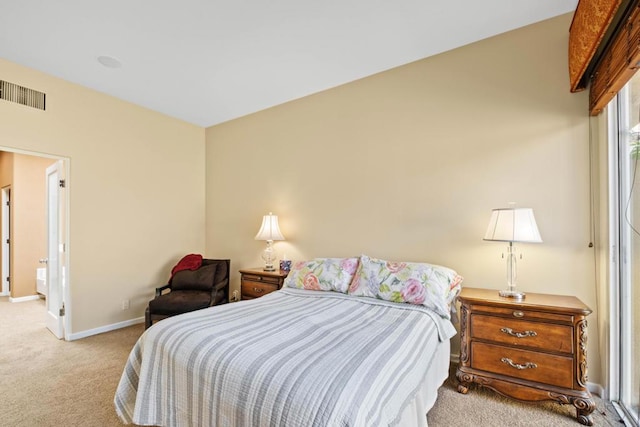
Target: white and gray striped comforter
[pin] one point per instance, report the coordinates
(290, 358)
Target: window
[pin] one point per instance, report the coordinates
(624, 123)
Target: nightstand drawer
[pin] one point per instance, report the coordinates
(524, 314)
(544, 336)
(251, 289)
(263, 279)
(523, 364)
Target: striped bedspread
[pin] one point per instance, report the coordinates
(290, 358)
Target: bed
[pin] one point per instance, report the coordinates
(295, 357)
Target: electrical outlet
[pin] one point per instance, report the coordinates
(125, 304)
(234, 296)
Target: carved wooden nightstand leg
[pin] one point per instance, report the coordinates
(585, 419)
(464, 380)
(584, 408)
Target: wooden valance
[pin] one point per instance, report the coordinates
(591, 21)
(618, 61)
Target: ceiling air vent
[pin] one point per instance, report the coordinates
(22, 95)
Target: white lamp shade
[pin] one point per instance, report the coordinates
(513, 225)
(269, 230)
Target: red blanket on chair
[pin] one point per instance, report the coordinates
(188, 262)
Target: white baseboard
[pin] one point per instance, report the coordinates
(593, 388)
(23, 299)
(597, 389)
(103, 329)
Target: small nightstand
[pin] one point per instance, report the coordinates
(531, 350)
(255, 282)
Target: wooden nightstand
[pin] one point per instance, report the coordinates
(532, 350)
(255, 282)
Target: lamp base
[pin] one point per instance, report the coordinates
(516, 295)
(269, 256)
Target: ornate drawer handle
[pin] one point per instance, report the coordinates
(524, 334)
(528, 365)
(258, 290)
(518, 314)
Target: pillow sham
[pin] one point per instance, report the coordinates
(433, 286)
(322, 274)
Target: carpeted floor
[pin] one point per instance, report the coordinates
(482, 407)
(47, 382)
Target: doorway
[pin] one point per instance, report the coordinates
(32, 222)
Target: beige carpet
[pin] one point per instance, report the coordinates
(482, 407)
(47, 382)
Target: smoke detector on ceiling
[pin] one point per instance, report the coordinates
(109, 61)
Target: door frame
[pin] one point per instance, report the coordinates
(64, 215)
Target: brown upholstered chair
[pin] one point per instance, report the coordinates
(191, 290)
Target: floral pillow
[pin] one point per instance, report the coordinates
(430, 285)
(322, 274)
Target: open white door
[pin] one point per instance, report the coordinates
(55, 251)
(6, 236)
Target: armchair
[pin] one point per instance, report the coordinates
(191, 290)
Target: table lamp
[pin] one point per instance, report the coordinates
(512, 225)
(269, 231)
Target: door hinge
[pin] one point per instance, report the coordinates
(63, 183)
(62, 310)
(7, 241)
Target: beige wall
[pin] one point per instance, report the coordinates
(6, 169)
(28, 231)
(407, 165)
(136, 190)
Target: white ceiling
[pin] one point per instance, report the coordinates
(209, 61)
